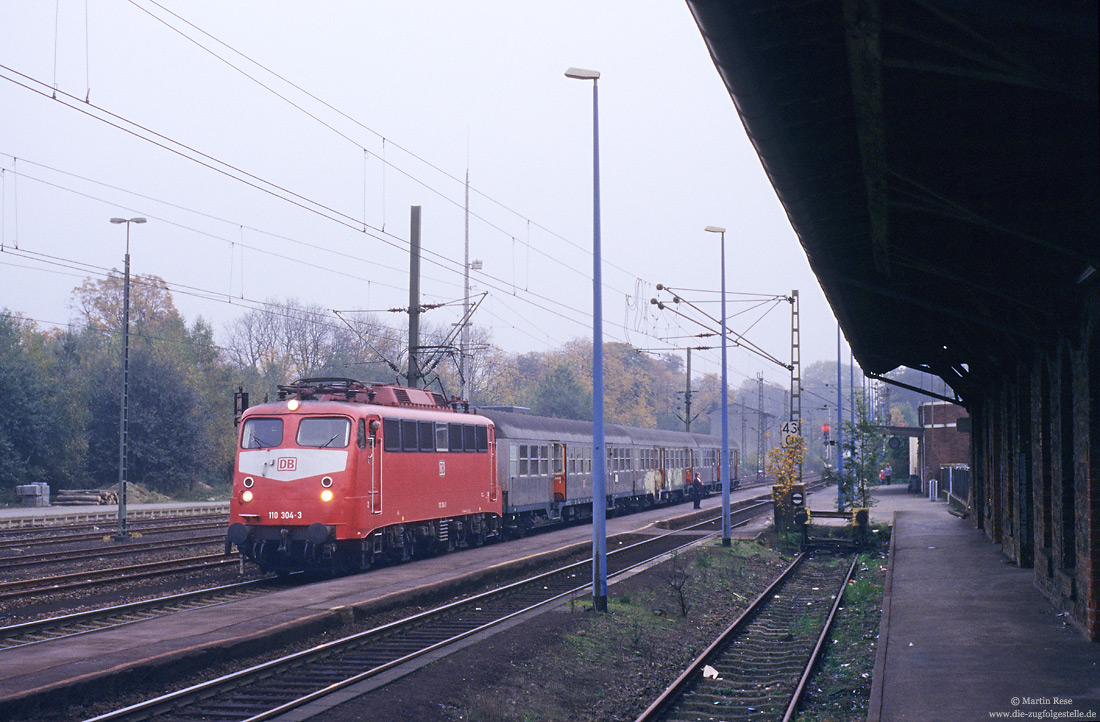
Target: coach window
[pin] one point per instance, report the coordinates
(261, 433)
(523, 460)
(324, 432)
(544, 460)
(441, 443)
(513, 460)
(391, 434)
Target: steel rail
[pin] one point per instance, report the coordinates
(63, 534)
(40, 630)
(63, 582)
(129, 548)
(688, 677)
(792, 708)
(541, 583)
(665, 705)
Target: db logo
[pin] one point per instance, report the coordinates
(442, 468)
(286, 463)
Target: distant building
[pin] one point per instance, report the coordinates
(944, 443)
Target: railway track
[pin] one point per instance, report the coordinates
(25, 537)
(67, 582)
(272, 688)
(18, 635)
(128, 550)
(757, 668)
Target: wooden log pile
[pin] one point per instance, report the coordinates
(84, 497)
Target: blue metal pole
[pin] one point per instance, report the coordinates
(839, 429)
(725, 470)
(599, 456)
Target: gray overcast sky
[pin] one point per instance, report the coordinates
(428, 88)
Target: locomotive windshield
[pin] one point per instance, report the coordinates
(330, 432)
(262, 433)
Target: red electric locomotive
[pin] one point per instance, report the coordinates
(338, 474)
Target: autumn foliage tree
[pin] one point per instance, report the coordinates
(178, 433)
(783, 463)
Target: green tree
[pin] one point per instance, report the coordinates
(559, 394)
(865, 443)
(179, 415)
(38, 441)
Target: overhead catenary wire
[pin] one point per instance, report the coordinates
(384, 139)
(310, 206)
(275, 189)
(548, 256)
(482, 274)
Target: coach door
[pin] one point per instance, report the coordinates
(491, 440)
(558, 472)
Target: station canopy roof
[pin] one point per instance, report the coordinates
(939, 161)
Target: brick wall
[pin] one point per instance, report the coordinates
(942, 443)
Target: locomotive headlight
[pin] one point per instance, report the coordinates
(293, 405)
(326, 495)
(246, 496)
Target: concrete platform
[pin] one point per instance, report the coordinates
(111, 657)
(965, 634)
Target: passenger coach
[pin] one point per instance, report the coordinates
(545, 467)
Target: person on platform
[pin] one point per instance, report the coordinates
(696, 491)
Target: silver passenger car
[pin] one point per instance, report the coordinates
(545, 467)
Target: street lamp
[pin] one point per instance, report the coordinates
(123, 533)
(599, 459)
(724, 470)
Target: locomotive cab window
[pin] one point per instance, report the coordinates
(391, 434)
(261, 433)
(330, 432)
(409, 436)
(427, 435)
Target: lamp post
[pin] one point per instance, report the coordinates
(123, 533)
(599, 459)
(724, 468)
